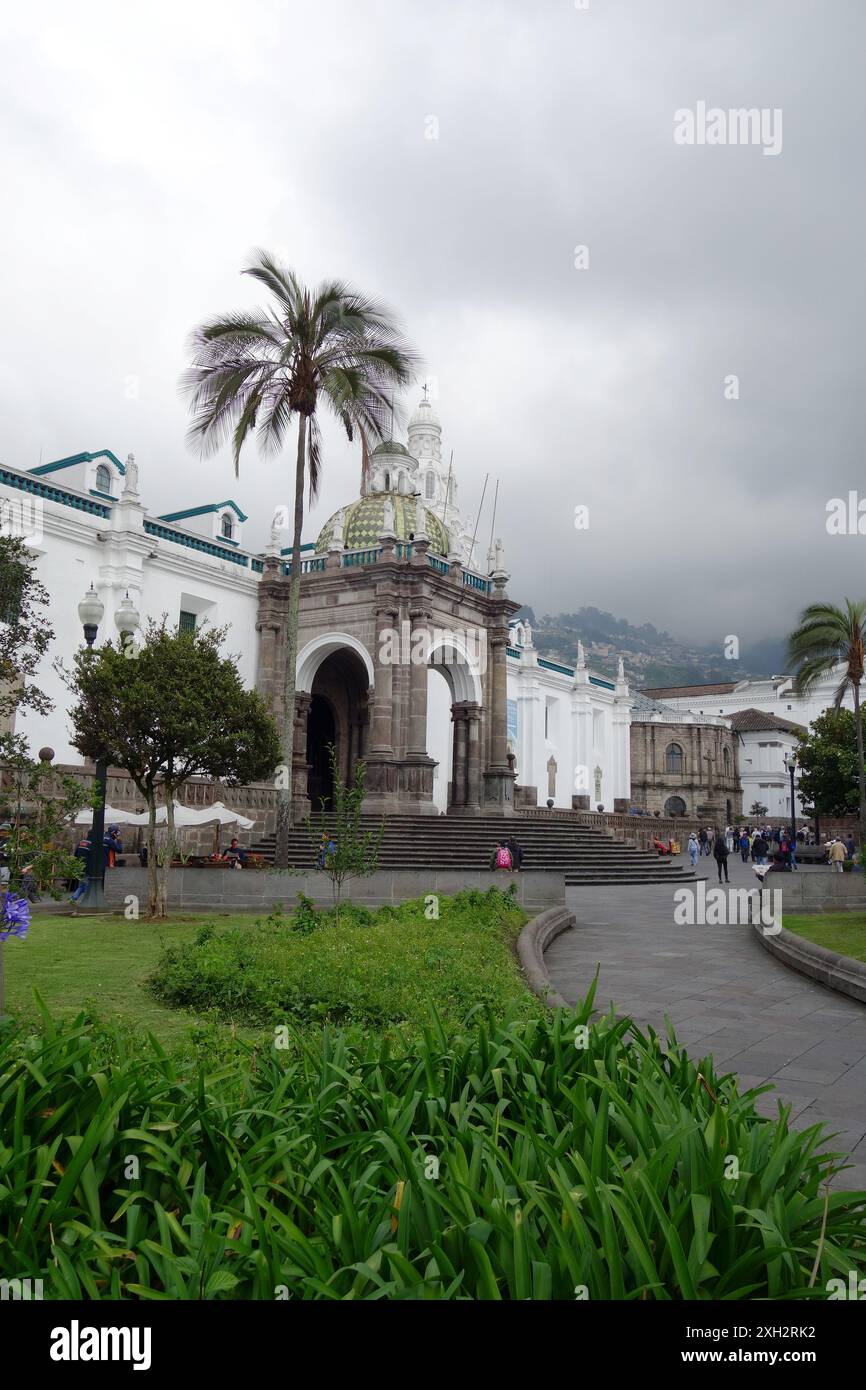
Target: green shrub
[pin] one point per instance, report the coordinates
(385, 970)
(506, 1163)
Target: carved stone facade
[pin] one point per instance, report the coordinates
(371, 624)
(685, 769)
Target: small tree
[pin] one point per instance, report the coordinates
(356, 851)
(829, 763)
(178, 710)
(25, 635)
(757, 808)
(38, 804)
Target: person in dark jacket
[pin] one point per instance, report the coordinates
(515, 851)
(760, 849)
(720, 854)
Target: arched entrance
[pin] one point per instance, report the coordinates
(675, 806)
(457, 748)
(337, 715)
(321, 733)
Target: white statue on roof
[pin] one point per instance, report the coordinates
(130, 478)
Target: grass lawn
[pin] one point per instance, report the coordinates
(844, 932)
(242, 973)
(103, 962)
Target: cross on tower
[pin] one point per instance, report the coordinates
(425, 393)
(709, 759)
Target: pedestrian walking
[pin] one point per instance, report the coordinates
(693, 848)
(744, 847)
(720, 854)
(837, 856)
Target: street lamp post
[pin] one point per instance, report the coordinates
(127, 620)
(90, 611)
(791, 766)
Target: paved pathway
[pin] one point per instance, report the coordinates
(725, 995)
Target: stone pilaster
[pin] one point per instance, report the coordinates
(498, 778)
(300, 766)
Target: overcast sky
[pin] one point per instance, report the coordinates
(146, 150)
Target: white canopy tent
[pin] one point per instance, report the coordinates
(185, 816)
(112, 817)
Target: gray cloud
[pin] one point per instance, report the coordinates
(145, 154)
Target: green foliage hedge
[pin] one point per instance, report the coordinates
(377, 970)
(503, 1163)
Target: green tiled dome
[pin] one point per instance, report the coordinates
(364, 522)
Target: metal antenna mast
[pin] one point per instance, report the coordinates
(478, 518)
(493, 518)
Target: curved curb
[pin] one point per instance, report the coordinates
(531, 945)
(840, 973)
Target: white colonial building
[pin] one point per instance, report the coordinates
(568, 728)
(497, 727)
(766, 716)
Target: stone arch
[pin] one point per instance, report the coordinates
(675, 806)
(449, 653)
(461, 667)
(333, 680)
(318, 649)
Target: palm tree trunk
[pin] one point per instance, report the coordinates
(861, 771)
(284, 803)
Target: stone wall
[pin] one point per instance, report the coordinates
(232, 890)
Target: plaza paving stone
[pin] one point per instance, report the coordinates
(726, 996)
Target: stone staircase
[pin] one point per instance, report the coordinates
(583, 853)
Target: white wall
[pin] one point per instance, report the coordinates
(76, 549)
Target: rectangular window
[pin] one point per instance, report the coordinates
(187, 621)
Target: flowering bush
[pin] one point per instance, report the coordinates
(14, 917)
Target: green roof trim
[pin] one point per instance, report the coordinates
(200, 511)
(201, 543)
(605, 685)
(79, 458)
(25, 482)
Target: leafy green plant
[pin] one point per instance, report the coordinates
(342, 847)
(381, 970)
(501, 1162)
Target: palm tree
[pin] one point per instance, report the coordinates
(829, 637)
(254, 373)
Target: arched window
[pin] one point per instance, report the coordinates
(726, 761)
(673, 758)
(227, 526)
(429, 485)
(103, 478)
(387, 481)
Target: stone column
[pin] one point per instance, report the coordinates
(381, 744)
(499, 697)
(458, 774)
(300, 766)
(473, 757)
(419, 650)
(498, 778)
